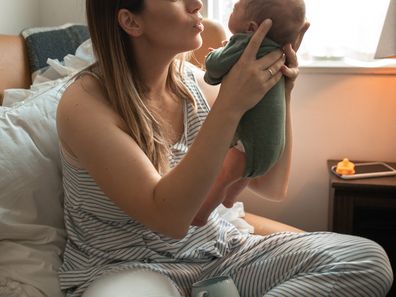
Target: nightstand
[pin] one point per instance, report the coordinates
(367, 208)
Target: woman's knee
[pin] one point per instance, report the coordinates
(365, 257)
(135, 283)
(380, 263)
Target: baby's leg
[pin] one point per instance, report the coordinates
(231, 172)
(234, 190)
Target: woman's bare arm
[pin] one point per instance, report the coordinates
(96, 136)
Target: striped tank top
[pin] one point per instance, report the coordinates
(102, 238)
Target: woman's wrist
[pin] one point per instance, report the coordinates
(226, 109)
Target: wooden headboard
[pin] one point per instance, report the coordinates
(14, 66)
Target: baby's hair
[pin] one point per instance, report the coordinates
(287, 17)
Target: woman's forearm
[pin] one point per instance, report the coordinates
(180, 193)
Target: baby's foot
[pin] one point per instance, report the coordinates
(214, 198)
(233, 191)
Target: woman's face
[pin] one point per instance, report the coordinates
(172, 24)
(238, 21)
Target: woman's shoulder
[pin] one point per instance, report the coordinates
(83, 85)
(84, 102)
(85, 91)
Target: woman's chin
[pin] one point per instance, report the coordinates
(194, 46)
(198, 42)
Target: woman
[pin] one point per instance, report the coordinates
(132, 188)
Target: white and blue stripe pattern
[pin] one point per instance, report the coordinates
(103, 239)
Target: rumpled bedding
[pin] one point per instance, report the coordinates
(56, 71)
(11, 288)
(32, 235)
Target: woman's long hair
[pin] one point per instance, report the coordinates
(123, 88)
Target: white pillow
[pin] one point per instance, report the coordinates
(32, 235)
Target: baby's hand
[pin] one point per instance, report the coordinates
(224, 42)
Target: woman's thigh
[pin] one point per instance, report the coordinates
(307, 264)
(133, 283)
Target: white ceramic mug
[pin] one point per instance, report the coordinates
(220, 286)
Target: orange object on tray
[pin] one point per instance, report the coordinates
(345, 167)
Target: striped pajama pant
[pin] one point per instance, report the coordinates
(291, 264)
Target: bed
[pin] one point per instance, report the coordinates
(32, 235)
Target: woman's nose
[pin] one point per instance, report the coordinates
(194, 6)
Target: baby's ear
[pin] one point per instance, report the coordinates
(296, 44)
(252, 26)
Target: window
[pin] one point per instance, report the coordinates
(341, 30)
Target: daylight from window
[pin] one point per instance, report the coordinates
(341, 30)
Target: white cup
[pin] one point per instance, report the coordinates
(220, 286)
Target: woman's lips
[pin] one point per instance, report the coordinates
(200, 27)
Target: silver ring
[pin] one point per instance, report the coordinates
(271, 73)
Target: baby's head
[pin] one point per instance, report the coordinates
(288, 17)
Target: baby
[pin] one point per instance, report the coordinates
(261, 131)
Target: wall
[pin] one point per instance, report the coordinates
(58, 12)
(16, 15)
(334, 116)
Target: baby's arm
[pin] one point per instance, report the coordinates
(219, 61)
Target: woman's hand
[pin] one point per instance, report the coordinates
(290, 69)
(250, 78)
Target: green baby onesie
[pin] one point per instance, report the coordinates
(262, 128)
